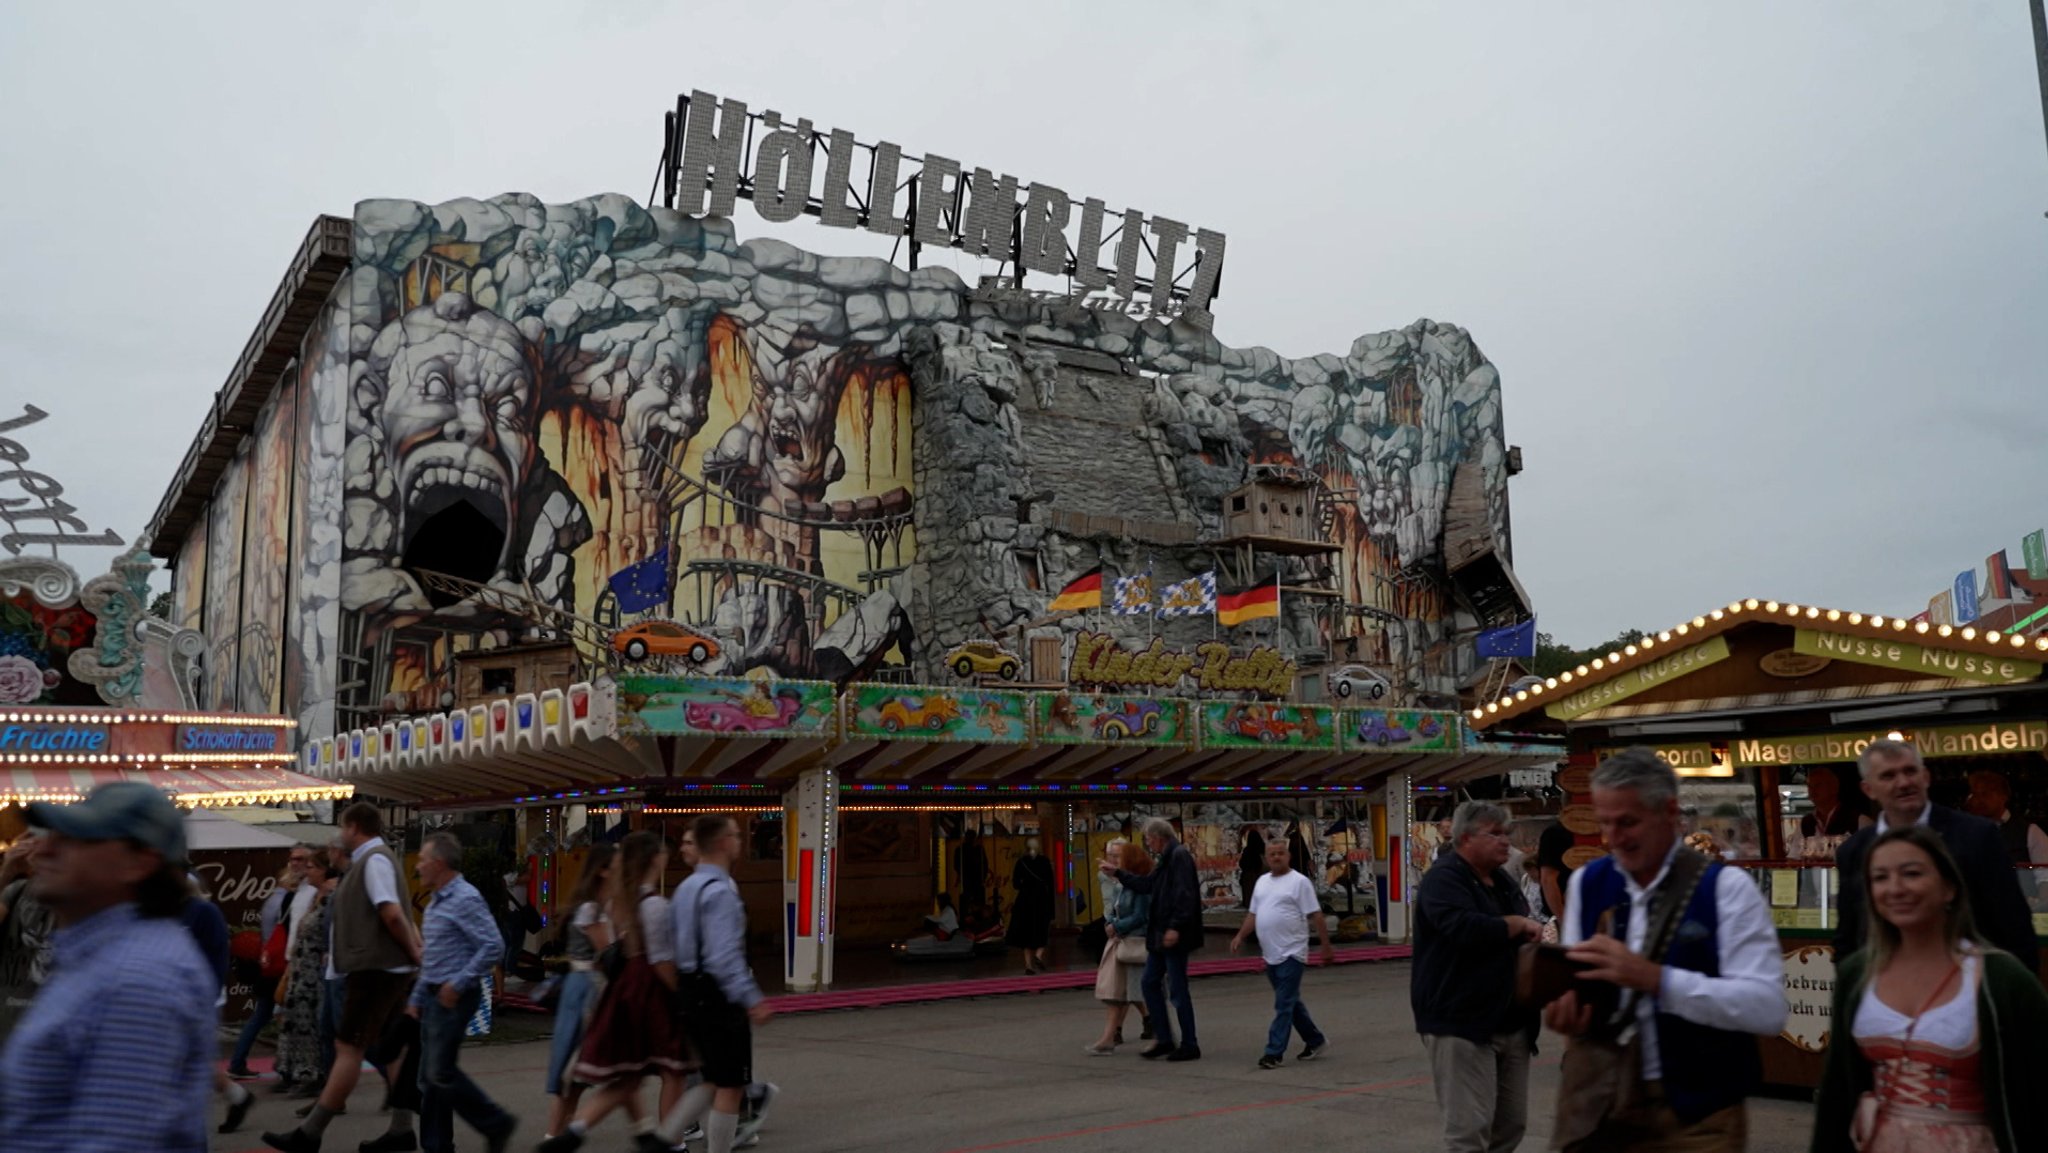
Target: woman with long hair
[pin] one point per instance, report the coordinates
(587, 933)
(1937, 1038)
(298, 1028)
(1117, 985)
(632, 1034)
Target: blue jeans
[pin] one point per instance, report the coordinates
(265, 991)
(568, 1038)
(1161, 967)
(446, 1090)
(1289, 1014)
(331, 994)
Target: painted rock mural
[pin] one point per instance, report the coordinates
(537, 420)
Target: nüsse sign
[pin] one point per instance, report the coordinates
(1639, 679)
(1883, 652)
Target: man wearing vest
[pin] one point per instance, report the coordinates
(1691, 946)
(376, 950)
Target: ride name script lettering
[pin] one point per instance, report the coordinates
(40, 490)
(1099, 660)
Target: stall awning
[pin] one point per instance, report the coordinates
(189, 788)
(663, 735)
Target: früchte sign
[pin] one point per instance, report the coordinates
(1939, 741)
(715, 151)
(1991, 668)
(1099, 660)
(1640, 679)
(52, 738)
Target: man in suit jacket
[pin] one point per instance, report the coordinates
(1896, 778)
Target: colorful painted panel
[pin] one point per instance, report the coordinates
(314, 615)
(909, 712)
(188, 579)
(265, 552)
(718, 706)
(1260, 725)
(1400, 730)
(1107, 719)
(225, 523)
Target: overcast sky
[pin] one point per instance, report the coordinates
(1765, 282)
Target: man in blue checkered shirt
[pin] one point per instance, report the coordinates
(116, 1052)
(461, 944)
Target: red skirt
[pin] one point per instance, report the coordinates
(633, 1032)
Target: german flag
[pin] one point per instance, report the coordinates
(1083, 592)
(1255, 603)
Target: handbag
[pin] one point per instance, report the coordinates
(1109, 979)
(611, 960)
(1601, 1072)
(1129, 951)
(479, 1024)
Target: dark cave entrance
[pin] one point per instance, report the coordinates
(458, 541)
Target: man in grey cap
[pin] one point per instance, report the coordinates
(117, 1050)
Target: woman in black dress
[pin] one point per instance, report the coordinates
(1031, 913)
(1251, 863)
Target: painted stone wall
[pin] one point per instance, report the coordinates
(834, 467)
(626, 413)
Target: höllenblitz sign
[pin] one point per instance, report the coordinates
(716, 151)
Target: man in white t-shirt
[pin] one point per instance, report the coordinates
(1283, 907)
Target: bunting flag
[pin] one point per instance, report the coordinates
(1083, 592)
(1997, 577)
(1966, 597)
(1941, 608)
(643, 584)
(2034, 547)
(1133, 595)
(1259, 602)
(1193, 597)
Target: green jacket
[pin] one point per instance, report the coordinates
(2012, 1043)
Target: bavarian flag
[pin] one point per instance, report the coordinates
(1083, 592)
(1255, 603)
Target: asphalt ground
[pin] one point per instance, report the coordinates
(1008, 1073)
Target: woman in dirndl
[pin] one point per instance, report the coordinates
(298, 1016)
(633, 1033)
(1117, 978)
(587, 933)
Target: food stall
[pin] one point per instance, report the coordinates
(1762, 708)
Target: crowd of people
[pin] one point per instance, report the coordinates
(1666, 969)
(116, 1046)
(1672, 968)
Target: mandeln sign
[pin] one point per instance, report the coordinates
(715, 152)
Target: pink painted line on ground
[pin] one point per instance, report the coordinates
(874, 998)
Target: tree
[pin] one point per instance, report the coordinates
(1553, 658)
(160, 606)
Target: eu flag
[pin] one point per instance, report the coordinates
(643, 584)
(1510, 642)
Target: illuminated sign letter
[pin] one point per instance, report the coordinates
(711, 154)
(1046, 210)
(782, 170)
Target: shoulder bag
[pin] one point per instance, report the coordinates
(1602, 1069)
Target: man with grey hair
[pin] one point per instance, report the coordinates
(1690, 944)
(1470, 922)
(1896, 778)
(1174, 931)
(462, 945)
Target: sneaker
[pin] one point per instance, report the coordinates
(1185, 1053)
(757, 1107)
(747, 1135)
(1269, 1061)
(238, 1112)
(1311, 1052)
(563, 1142)
(693, 1133)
